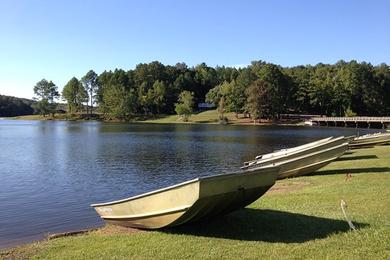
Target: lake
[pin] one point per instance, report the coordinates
(51, 171)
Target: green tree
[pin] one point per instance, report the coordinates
(300, 87)
(235, 96)
(185, 104)
(258, 103)
(81, 98)
(214, 95)
(13, 106)
(382, 79)
(75, 95)
(46, 92)
(90, 82)
(118, 102)
(221, 110)
(103, 81)
(321, 90)
(159, 95)
(278, 88)
(205, 78)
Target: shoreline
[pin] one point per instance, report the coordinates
(165, 120)
(207, 117)
(279, 187)
(210, 117)
(363, 172)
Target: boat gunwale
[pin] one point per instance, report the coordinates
(147, 215)
(268, 167)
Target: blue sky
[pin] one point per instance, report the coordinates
(58, 39)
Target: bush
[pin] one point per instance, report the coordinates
(350, 113)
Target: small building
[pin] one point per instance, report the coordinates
(205, 106)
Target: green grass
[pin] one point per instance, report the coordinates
(210, 117)
(70, 117)
(299, 218)
(205, 117)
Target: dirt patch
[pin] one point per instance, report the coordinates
(71, 233)
(286, 187)
(105, 230)
(114, 230)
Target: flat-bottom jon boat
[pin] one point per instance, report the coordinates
(370, 140)
(283, 152)
(290, 153)
(304, 164)
(189, 201)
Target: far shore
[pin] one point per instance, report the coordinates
(206, 117)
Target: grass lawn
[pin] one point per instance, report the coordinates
(208, 117)
(298, 218)
(205, 117)
(70, 117)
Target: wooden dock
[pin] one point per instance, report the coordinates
(357, 121)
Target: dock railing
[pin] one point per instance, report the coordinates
(367, 119)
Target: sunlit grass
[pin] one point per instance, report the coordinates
(210, 117)
(57, 116)
(205, 117)
(298, 218)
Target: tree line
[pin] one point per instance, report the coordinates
(13, 106)
(260, 90)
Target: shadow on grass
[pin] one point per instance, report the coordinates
(206, 121)
(357, 170)
(361, 157)
(265, 225)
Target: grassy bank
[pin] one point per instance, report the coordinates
(206, 117)
(70, 117)
(298, 218)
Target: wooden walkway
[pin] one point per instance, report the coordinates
(357, 120)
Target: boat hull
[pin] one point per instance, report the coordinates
(297, 153)
(191, 201)
(370, 141)
(308, 163)
(283, 152)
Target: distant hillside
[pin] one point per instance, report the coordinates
(13, 106)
